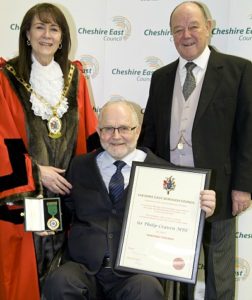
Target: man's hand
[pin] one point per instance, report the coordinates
(208, 202)
(241, 201)
(53, 180)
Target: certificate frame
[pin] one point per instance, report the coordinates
(163, 226)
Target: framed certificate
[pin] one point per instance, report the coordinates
(42, 214)
(163, 223)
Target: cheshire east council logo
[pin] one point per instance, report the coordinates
(116, 97)
(154, 62)
(90, 66)
(123, 25)
(169, 184)
(242, 269)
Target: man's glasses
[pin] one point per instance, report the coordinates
(123, 130)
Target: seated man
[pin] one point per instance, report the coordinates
(98, 211)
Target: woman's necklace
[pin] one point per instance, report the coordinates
(54, 123)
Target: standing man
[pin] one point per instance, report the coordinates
(97, 201)
(200, 114)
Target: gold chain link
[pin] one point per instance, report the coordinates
(29, 88)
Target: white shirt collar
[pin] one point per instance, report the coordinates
(106, 160)
(200, 61)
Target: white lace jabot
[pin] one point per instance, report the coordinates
(47, 81)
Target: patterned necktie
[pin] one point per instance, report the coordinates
(190, 82)
(116, 184)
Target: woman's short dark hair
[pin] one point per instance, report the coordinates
(46, 12)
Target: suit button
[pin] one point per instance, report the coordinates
(110, 235)
(114, 211)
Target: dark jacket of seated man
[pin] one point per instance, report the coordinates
(97, 222)
(94, 235)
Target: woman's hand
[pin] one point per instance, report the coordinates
(44, 233)
(208, 202)
(53, 180)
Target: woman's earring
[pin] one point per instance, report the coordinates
(60, 46)
(28, 43)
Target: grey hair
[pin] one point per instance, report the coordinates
(130, 104)
(199, 4)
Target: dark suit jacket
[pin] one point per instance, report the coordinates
(222, 128)
(97, 222)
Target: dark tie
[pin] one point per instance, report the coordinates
(190, 82)
(116, 184)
